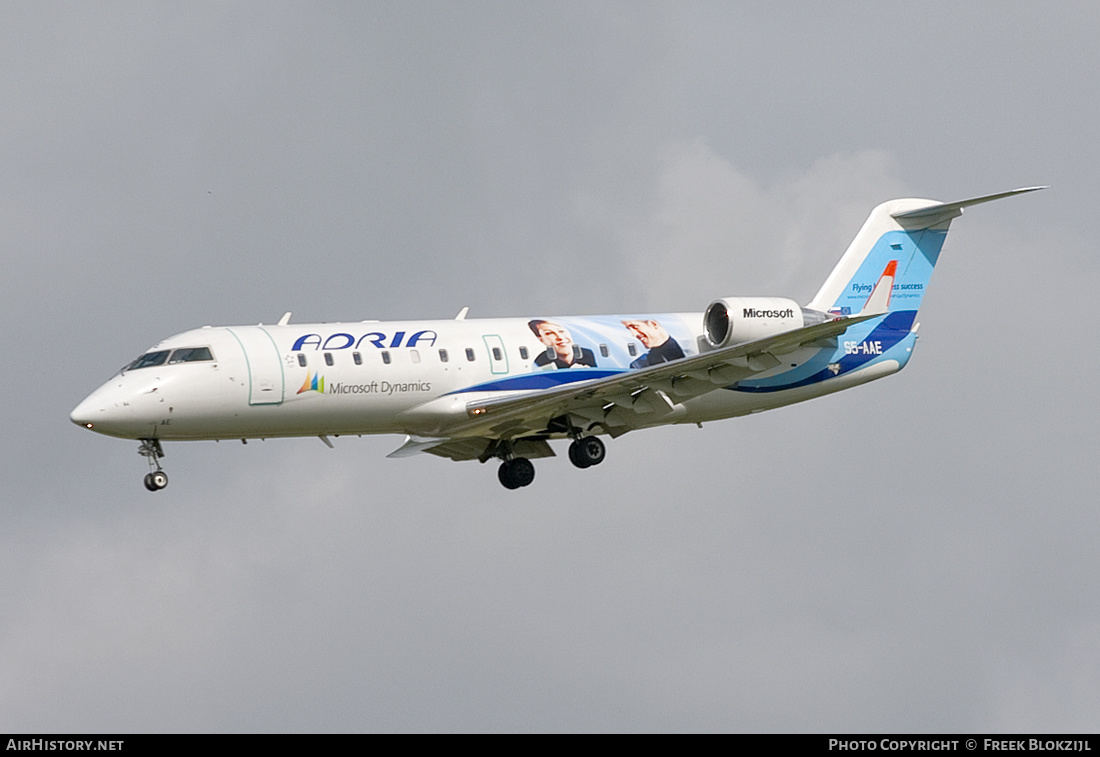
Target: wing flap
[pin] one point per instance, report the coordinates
(470, 448)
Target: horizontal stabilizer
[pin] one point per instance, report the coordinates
(953, 208)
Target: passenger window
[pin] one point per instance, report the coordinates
(358, 358)
(522, 353)
(443, 356)
(469, 354)
(415, 355)
(302, 359)
(386, 357)
(328, 358)
(632, 349)
(497, 355)
(603, 350)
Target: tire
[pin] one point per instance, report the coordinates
(524, 471)
(507, 475)
(576, 456)
(516, 473)
(588, 451)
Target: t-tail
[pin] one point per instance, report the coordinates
(888, 265)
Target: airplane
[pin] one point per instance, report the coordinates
(484, 389)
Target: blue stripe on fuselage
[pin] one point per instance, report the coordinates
(540, 380)
(884, 335)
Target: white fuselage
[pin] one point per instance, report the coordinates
(390, 377)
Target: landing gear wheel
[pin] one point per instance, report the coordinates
(156, 480)
(516, 473)
(587, 451)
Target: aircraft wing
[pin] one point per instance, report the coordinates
(469, 447)
(621, 402)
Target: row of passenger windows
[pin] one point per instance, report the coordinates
(471, 355)
(414, 356)
(171, 357)
(203, 354)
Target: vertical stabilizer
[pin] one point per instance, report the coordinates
(900, 242)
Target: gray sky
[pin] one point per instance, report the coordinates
(918, 554)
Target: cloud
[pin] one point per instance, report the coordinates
(705, 221)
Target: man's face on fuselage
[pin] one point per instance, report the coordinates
(649, 333)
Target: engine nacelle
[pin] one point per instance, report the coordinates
(735, 320)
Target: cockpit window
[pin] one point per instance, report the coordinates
(160, 357)
(148, 360)
(191, 355)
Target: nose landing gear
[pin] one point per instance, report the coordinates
(156, 479)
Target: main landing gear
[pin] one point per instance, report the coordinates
(156, 479)
(586, 451)
(517, 472)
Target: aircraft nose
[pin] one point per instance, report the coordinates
(102, 411)
(88, 413)
(80, 415)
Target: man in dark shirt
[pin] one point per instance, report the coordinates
(662, 347)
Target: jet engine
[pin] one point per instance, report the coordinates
(735, 320)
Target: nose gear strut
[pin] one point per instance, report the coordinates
(156, 479)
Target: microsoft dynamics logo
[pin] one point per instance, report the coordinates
(315, 384)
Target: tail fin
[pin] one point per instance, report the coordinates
(897, 247)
